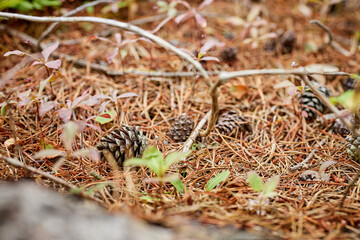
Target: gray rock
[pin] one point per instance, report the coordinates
(31, 212)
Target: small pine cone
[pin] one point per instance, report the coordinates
(287, 42)
(231, 124)
(339, 128)
(353, 147)
(270, 45)
(228, 54)
(308, 98)
(181, 129)
(124, 143)
(348, 83)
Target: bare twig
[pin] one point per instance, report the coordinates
(331, 41)
(224, 76)
(196, 131)
(72, 12)
(71, 187)
(326, 29)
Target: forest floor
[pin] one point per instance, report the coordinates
(303, 208)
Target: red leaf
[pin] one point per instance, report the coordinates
(105, 115)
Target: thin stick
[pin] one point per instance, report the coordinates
(224, 76)
(326, 29)
(196, 131)
(331, 41)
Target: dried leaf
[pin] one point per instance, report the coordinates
(238, 90)
(9, 142)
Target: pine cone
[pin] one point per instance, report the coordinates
(228, 54)
(287, 42)
(339, 128)
(124, 143)
(348, 83)
(231, 124)
(308, 98)
(270, 45)
(353, 147)
(181, 129)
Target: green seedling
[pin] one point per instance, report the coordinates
(265, 190)
(154, 160)
(221, 177)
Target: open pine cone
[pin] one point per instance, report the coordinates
(123, 143)
(353, 147)
(231, 124)
(308, 98)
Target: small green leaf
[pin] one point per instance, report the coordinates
(24, 6)
(211, 184)
(345, 99)
(355, 76)
(96, 188)
(149, 198)
(311, 47)
(90, 10)
(136, 162)
(179, 185)
(105, 117)
(175, 157)
(270, 186)
(77, 190)
(42, 85)
(4, 109)
(255, 181)
(155, 160)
